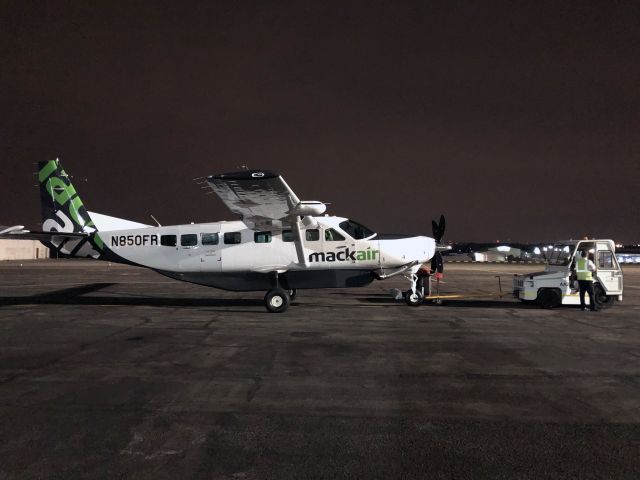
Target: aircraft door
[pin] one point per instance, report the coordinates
(211, 253)
(608, 271)
(188, 250)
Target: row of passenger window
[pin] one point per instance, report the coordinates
(232, 238)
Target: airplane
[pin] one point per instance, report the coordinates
(281, 244)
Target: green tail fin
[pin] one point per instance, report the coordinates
(63, 211)
(62, 208)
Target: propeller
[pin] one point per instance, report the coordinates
(437, 262)
(438, 228)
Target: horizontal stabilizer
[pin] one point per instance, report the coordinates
(19, 233)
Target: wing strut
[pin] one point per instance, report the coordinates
(302, 259)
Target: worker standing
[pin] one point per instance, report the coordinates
(584, 271)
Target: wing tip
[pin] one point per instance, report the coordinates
(245, 175)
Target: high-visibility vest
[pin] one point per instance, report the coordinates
(582, 269)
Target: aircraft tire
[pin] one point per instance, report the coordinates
(276, 300)
(292, 293)
(413, 299)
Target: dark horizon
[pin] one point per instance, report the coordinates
(517, 122)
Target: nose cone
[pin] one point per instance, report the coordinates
(402, 251)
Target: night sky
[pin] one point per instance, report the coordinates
(517, 120)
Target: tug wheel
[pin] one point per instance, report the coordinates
(549, 298)
(602, 300)
(413, 299)
(292, 293)
(276, 300)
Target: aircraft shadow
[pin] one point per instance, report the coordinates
(74, 296)
(482, 304)
(495, 304)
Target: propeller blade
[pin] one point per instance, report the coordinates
(438, 228)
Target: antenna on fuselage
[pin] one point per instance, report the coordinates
(155, 219)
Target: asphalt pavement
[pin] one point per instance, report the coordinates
(109, 371)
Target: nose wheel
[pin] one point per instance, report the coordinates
(413, 299)
(415, 295)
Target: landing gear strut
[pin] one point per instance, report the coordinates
(415, 295)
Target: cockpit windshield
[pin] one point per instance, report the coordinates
(355, 230)
(559, 254)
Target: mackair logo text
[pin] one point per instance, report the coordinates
(345, 255)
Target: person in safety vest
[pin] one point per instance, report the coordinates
(584, 271)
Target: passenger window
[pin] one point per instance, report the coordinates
(189, 240)
(210, 239)
(287, 236)
(331, 235)
(231, 238)
(262, 237)
(313, 235)
(168, 240)
(605, 260)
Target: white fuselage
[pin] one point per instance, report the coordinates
(233, 248)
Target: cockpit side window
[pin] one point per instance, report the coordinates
(355, 230)
(312, 235)
(331, 235)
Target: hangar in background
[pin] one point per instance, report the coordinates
(22, 250)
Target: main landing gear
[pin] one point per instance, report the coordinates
(277, 300)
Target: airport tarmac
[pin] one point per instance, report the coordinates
(118, 372)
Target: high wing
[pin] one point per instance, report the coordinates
(18, 232)
(262, 198)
